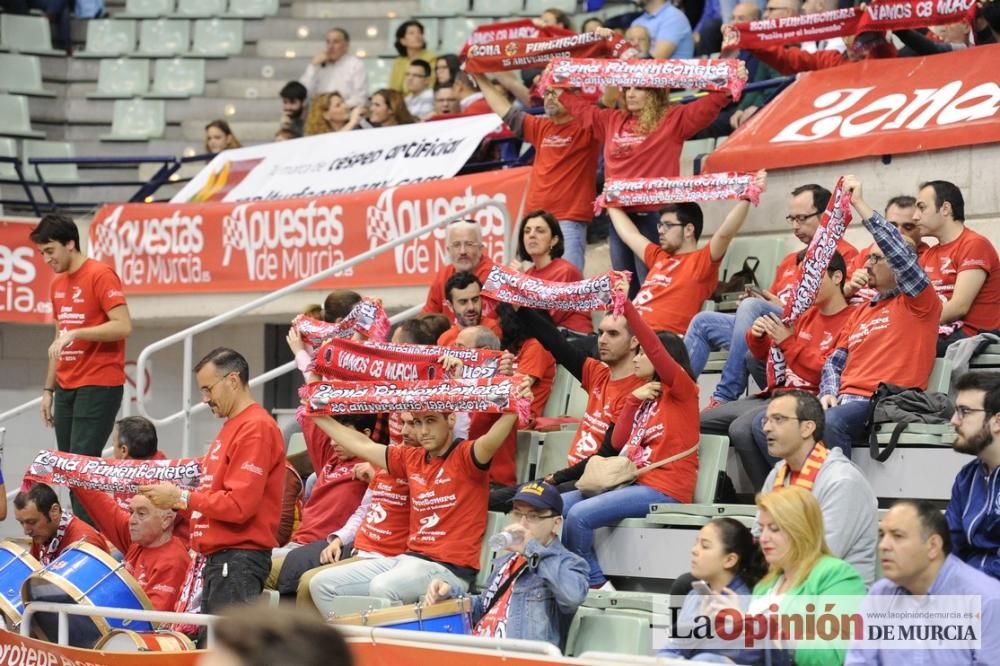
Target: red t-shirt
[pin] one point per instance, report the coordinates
(238, 504)
(560, 270)
(787, 273)
(75, 530)
(604, 403)
(386, 527)
(629, 154)
(493, 624)
(893, 340)
(970, 251)
(336, 493)
(535, 361)
(436, 296)
(562, 177)
(448, 502)
(676, 286)
(80, 300)
(447, 339)
(160, 571)
(812, 340)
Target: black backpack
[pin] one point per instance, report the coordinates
(902, 406)
(738, 281)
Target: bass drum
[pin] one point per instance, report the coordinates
(125, 640)
(16, 564)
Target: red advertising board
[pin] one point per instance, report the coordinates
(261, 246)
(24, 277)
(874, 107)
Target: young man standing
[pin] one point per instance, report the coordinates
(83, 385)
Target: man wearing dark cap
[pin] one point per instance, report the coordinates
(536, 587)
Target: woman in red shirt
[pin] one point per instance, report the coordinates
(541, 242)
(658, 421)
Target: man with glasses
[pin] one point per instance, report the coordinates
(419, 96)
(680, 274)
(899, 213)
(973, 515)
(793, 424)
(445, 102)
(236, 510)
(892, 339)
(464, 243)
(719, 330)
(537, 585)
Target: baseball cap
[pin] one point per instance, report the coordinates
(540, 495)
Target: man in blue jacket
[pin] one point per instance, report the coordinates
(537, 586)
(973, 513)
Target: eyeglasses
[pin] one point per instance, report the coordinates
(905, 226)
(666, 226)
(873, 259)
(207, 390)
(778, 419)
(531, 518)
(961, 411)
(799, 219)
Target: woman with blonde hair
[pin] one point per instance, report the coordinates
(329, 113)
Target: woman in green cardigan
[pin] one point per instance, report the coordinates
(800, 565)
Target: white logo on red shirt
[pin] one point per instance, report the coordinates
(77, 294)
(429, 522)
(253, 469)
(376, 514)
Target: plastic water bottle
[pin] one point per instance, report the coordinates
(501, 540)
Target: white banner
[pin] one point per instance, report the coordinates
(340, 162)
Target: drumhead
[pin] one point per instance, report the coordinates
(126, 640)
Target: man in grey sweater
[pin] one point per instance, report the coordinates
(849, 505)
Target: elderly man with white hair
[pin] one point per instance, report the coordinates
(464, 243)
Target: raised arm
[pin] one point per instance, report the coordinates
(668, 370)
(356, 443)
(628, 232)
(493, 97)
(486, 446)
(731, 226)
(543, 330)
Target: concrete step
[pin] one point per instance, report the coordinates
(249, 88)
(281, 48)
(82, 70)
(297, 28)
(99, 111)
(342, 10)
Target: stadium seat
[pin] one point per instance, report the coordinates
(178, 78)
(499, 8)
(694, 147)
(164, 37)
(454, 32)
(55, 173)
(147, 8)
(345, 604)
(137, 120)
(495, 522)
(121, 78)
(536, 7)
(577, 403)
(253, 8)
(107, 38)
(217, 38)
(8, 148)
(378, 72)
(607, 632)
(442, 7)
(296, 445)
(555, 450)
(22, 75)
(769, 253)
(15, 120)
(527, 452)
(559, 396)
(989, 358)
(194, 9)
(26, 34)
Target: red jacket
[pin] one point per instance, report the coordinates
(792, 59)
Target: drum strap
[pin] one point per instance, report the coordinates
(503, 587)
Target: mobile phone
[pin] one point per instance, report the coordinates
(755, 290)
(702, 588)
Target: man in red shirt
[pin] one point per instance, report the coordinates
(449, 484)
(963, 266)
(719, 330)
(51, 529)
(236, 510)
(464, 244)
(466, 306)
(157, 559)
(83, 385)
(892, 339)
(563, 178)
(899, 213)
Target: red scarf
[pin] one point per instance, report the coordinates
(47, 555)
(502, 55)
(805, 477)
(189, 599)
(367, 318)
(879, 16)
(512, 30)
(590, 74)
(385, 361)
(496, 395)
(629, 192)
(831, 228)
(594, 294)
(111, 476)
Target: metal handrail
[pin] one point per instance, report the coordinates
(65, 610)
(388, 635)
(187, 335)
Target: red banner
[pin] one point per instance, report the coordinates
(521, 53)
(261, 246)
(880, 107)
(517, 29)
(16, 650)
(24, 276)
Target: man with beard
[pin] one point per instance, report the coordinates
(973, 513)
(462, 291)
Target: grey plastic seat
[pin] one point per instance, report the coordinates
(8, 148)
(217, 38)
(443, 7)
(26, 34)
(22, 75)
(454, 31)
(252, 8)
(178, 78)
(148, 8)
(108, 37)
(15, 119)
(536, 7)
(137, 120)
(497, 7)
(194, 9)
(62, 173)
(378, 72)
(121, 78)
(164, 37)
